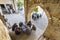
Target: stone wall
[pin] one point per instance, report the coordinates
(4, 35)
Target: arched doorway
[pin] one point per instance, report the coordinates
(44, 9)
(39, 18)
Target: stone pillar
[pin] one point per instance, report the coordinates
(26, 10)
(2, 19)
(4, 35)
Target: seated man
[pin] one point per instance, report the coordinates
(31, 25)
(25, 29)
(22, 27)
(14, 26)
(17, 30)
(5, 19)
(28, 30)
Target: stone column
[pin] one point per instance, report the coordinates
(2, 19)
(4, 35)
(26, 9)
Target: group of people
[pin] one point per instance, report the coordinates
(36, 16)
(23, 28)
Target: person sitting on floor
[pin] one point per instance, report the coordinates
(31, 25)
(5, 19)
(17, 30)
(25, 29)
(29, 28)
(14, 26)
(22, 26)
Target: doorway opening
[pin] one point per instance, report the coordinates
(20, 6)
(39, 18)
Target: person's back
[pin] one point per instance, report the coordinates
(22, 26)
(14, 26)
(5, 19)
(29, 23)
(17, 31)
(28, 30)
(33, 27)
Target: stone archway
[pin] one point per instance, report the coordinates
(53, 6)
(42, 6)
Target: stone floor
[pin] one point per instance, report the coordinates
(40, 25)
